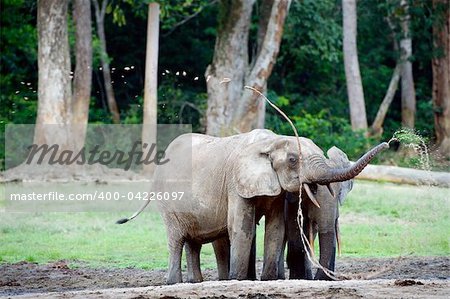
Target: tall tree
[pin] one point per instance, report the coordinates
(352, 73)
(376, 129)
(100, 13)
(231, 109)
(441, 75)
(54, 83)
(82, 80)
(407, 81)
(149, 129)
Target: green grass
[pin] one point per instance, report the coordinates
(381, 219)
(377, 219)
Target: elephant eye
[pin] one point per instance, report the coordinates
(293, 160)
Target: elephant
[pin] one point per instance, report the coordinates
(323, 220)
(234, 181)
(320, 211)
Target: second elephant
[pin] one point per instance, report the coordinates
(323, 221)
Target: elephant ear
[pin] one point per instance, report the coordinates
(253, 172)
(338, 159)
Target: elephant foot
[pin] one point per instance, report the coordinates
(269, 276)
(195, 280)
(320, 275)
(236, 276)
(170, 281)
(174, 278)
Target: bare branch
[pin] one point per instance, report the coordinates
(189, 104)
(270, 44)
(377, 125)
(104, 5)
(188, 18)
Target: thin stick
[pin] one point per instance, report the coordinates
(304, 239)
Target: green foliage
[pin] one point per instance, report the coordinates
(310, 55)
(18, 67)
(312, 26)
(117, 13)
(308, 79)
(172, 12)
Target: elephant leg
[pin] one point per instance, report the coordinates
(309, 229)
(175, 252)
(333, 261)
(252, 261)
(241, 229)
(273, 240)
(327, 242)
(281, 274)
(222, 251)
(194, 273)
(297, 260)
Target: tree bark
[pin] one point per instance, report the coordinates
(100, 17)
(54, 83)
(231, 109)
(377, 125)
(264, 18)
(149, 129)
(251, 107)
(441, 76)
(352, 73)
(82, 81)
(407, 81)
(230, 61)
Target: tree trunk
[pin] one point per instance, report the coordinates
(377, 125)
(230, 61)
(251, 106)
(401, 175)
(54, 83)
(100, 17)
(441, 76)
(231, 109)
(352, 74)
(264, 17)
(407, 81)
(82, 81)
(151, 82)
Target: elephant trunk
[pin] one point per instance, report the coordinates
(325, 174)
(327, 242)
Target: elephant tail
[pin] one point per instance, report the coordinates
(125, 220)
(338, 237)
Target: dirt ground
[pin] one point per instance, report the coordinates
(409, 277)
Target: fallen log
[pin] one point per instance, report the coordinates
(403, 175)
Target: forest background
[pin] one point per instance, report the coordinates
(308, 80)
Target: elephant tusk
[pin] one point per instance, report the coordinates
(311, 237)
(311, 195)
(331, 190)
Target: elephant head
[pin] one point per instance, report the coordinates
(269, 166)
